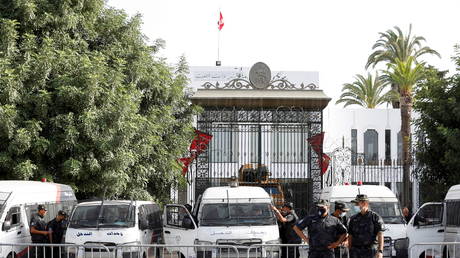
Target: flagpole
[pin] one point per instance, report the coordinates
(218, 46)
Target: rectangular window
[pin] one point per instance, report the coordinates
(289, 144)
(354, 147)
(387, 147)
(224, 145)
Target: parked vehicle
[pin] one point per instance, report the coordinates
(382, 200)
(436, 222)
(231, 216)
(19, 201)
(114, 224)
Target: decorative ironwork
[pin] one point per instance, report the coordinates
(341, 166)
(276, 83)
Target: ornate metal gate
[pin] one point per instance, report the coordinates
(258, 132)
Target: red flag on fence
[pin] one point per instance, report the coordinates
(199, 145)
(200, 142)
(316, 143)
(325, 162)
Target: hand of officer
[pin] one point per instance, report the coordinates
(333, 245)
(379, 255)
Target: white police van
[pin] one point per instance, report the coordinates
(228, 216)
(18, 203)
(116, 225)
(436, 222)
(381, 200)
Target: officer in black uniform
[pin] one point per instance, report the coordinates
(366, 231)
(288, 219)
(38, 231)
(325, 232)
(341, 213)
(57, 227)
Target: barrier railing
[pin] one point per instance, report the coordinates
(135, 250)
(435, 250)
(32, 250)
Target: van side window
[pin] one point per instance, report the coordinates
(175, 215)
(429, 215)
(452, 213)
(14, 216)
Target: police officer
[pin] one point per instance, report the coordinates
(366, 231)
(56, 228)
(38, 231)
(325, 232)
(340, 212)
(288, 219)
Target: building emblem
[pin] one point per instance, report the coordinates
(260, 75)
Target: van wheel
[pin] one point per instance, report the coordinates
(11, 255)
(444, 253)
(182, 255)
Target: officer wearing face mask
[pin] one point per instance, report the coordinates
(366, 231)
(341, 213)
(325, 232)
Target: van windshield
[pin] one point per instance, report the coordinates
(237, 214)
(389, 211)
(111, 216)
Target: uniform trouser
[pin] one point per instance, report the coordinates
(321, 254)
(341, 252)
(367, 252)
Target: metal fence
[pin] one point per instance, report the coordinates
(135, 250)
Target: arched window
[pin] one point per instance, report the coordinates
(371, 146)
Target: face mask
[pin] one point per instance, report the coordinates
(343, 214)
(321, 211)
(356, 209)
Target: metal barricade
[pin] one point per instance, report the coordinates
(32, 250)
(178, 251)
(435, 250)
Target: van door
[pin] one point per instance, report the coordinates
(13, 227)
(424, 227)
(179, 226)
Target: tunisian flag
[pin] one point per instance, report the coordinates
(220, 23)
(316, 143)
(199, 145)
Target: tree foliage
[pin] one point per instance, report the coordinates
(438, 103)
(84, 101)
(368, 92)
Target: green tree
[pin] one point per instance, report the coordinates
(368, 92)
(400, 52)
(437, 100)
(84, 101)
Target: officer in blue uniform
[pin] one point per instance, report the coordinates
(325, 232)
(288, 219)
(365, 231)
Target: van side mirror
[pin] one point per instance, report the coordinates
(6, 225)
(187, 223)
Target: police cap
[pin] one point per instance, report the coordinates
(360, 198)
(41, 207)
(341, 206)
(322, 203)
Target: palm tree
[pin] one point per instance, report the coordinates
(367, 92)
(400, 52)
(394, 45)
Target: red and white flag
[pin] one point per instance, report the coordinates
(220, 23)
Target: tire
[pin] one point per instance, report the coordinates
(11, 255)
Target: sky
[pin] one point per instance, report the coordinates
(331, 37)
